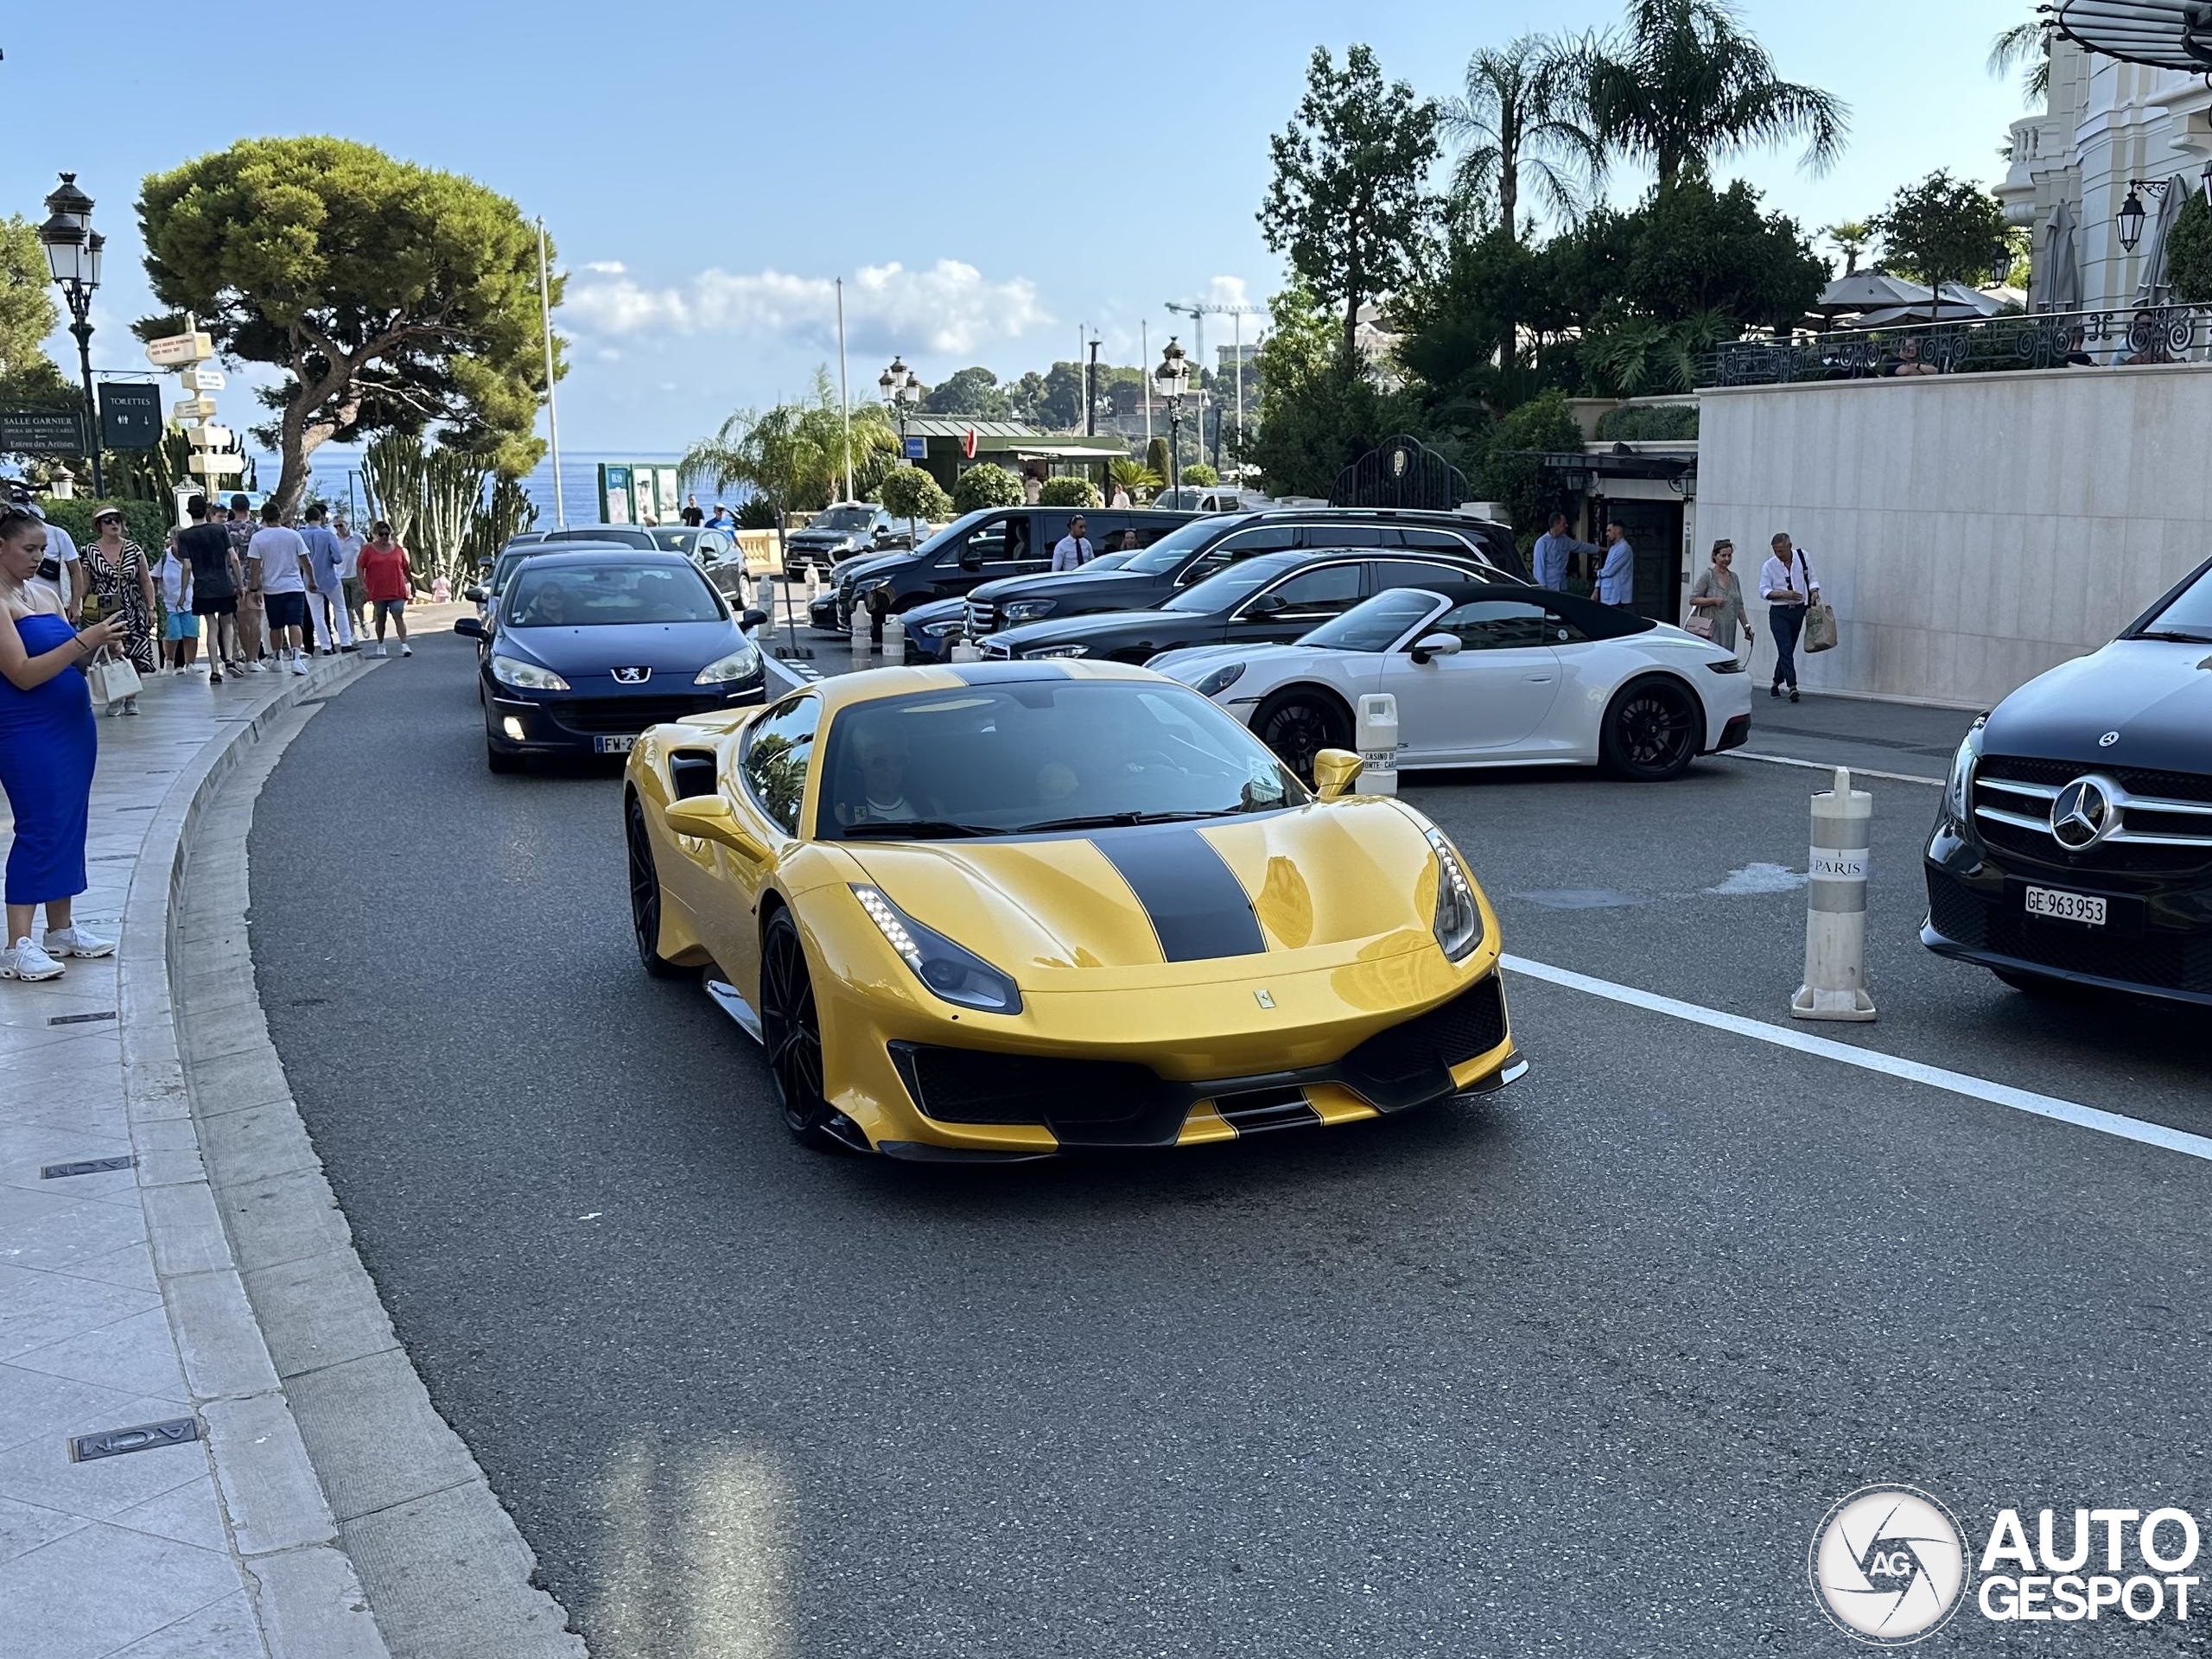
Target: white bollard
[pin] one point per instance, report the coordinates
(894, 642)
(813, 584)
(1835, 915)
(764, 595)
(1375, 736)
(965, 650)
(862, 644)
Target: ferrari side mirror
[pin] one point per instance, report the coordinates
(1335, 771)
(709, 817)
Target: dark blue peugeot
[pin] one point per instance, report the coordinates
(586, 650)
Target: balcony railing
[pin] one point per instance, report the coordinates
(2042, 340)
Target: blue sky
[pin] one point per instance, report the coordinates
(987, 178)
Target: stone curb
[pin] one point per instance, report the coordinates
(306, 1596)
(277, 1323)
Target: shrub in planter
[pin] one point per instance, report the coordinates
(986, 485)
(1070, 493)
(910, 492)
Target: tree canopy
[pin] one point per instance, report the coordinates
(1525, 110)
(1349, 203)
(28, 314)
(392, 297)
(1941, 229)
(973, 393)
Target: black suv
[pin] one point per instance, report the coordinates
(1271, 599)
(979, 548)
(2073, 845)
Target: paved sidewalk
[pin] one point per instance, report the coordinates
(138, 1554)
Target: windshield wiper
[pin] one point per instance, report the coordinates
(916, 829)
(2178, 635)
(1125, 820)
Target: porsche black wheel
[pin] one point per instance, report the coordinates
(1299, 724)
(791, 1030)
(645, 895)
(1651, 731)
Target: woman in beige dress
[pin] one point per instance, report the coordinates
(1718, 596)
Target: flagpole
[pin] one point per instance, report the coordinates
(552, 415)
(844, 397)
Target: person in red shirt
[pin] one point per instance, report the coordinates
(387, 579)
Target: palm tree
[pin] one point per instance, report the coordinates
(2026, 46)
(1132, 475)
(794, 454)
(1526, 109)
(1851, 236)
(1682, 81)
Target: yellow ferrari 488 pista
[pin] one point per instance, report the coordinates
(1004, 910)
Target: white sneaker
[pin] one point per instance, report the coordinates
(23, 960)
(406, 651)
(256, 668)
(383, 651)
(299, 664)
(76, 942)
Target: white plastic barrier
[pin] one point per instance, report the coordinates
(894, 642)
(1835, 913)
(1375, 736)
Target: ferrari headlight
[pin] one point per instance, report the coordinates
(1459, 925)
(1220, 680)
(1044, 651)
(1960, 785)
(740, 664)
(526, 677)
(951, 972)
(1026, 610)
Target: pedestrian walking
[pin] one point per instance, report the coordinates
(1073, 550)
(692, 515)
(721, 519)
(1552, 551)
(388, 578)
(1786, 585)
(117, 569)
(327, 560)
(217, 579)
(180, 629)
(1718, 596)
(1617, 576)
(61, 572)
(253, 613)
(350, 544)
(48, 743)
(281, 567)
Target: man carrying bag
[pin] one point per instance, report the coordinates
(1786, 583)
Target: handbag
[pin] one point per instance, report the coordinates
(1820, 628)
(112, 679)
(1698, 623)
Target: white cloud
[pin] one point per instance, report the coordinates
(607, 267)
(949, 307)
(1226, 290)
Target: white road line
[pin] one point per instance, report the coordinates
(1935, 1077)
(1830, 766)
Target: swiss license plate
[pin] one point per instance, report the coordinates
(622, 746)
(2066, 906)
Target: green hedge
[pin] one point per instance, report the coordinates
(1648, 422)
(2188, 252)
(146, 522)
(986, 484)
(1070, 493)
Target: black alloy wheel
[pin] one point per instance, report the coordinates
(1651, 731)
(645, 895)
(791, 1030)
(1298, 723)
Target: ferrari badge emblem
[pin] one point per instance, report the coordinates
(1264, 999)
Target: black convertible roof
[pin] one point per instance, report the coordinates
(1598, 621)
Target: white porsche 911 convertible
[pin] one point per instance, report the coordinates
(1487, 674)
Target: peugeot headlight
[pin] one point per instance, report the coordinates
(955, 975)
(1459, 925)
(526, 677)
(1044, 651)
(740, 664)
(1026, 610)
(1959, 788)
(1220, 680)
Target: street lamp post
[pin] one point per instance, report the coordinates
(72, 254)
(900, 392)
(1169, 379)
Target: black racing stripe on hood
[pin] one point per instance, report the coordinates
(1198, 906)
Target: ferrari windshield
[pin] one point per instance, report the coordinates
(1032, 756)
(589, 595)
(2188, 618)
(1376, 625)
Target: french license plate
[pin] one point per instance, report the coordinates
(2066, 906)
(623, 745)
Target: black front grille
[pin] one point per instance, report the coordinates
(613, 715)
(2171, 785)
(1257, 1110)
(2140, 858)
(1957, 913)
(2170, 962)
(1097, 1103)
(1405, 1059)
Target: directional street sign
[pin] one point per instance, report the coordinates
(186, 410)
(210, 436)
(201, 379)
(215, 463)
(173, 351)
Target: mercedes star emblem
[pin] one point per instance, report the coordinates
(2082, 815)
(2108, 740)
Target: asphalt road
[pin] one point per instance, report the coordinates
(1575, 1371)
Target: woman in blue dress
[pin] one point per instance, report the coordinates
(48, 741)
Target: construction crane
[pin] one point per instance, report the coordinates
(1198, 311)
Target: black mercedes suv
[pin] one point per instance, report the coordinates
(2073, 845)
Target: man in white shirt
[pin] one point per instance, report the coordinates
(349, 573)
(1786, 583)
(280, 570)
(1073, 550)
(1617, 576)
(68, 582)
